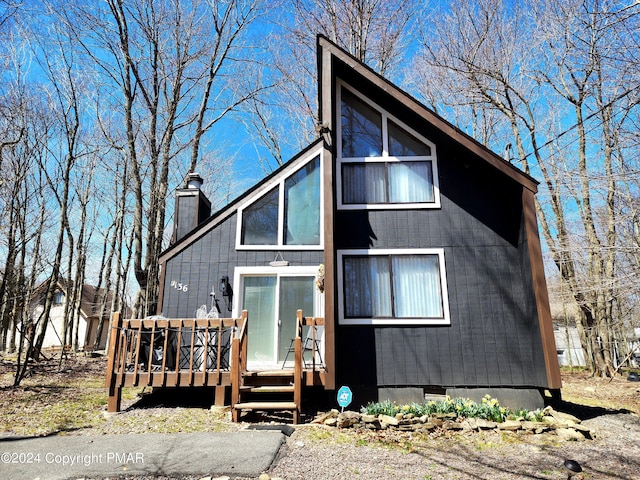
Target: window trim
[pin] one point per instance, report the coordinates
(278, 182)
(445, 320)
(282, 271)
(385, 158)
(240, 273)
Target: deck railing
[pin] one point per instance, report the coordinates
(312, 339)
(172, 352)
(309, 342)
(238, 360)
(199, 352)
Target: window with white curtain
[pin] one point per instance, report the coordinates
(287, 214)
(382, 162)
(393, 286)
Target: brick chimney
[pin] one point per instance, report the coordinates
(192, 207)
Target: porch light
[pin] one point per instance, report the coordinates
(322, 128)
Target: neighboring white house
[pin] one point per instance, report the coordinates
(568, 345)
(565, 312)
(90, 306)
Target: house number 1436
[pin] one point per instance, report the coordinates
(182, 287)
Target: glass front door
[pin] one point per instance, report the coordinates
(259, 299)
(295, 293)
(272, 301)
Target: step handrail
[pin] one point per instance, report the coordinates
(297, 369)
(238, 360)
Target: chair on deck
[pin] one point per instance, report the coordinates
(309, 344)
(211, 355)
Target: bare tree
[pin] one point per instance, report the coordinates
(25, 124)
(108, 289)
(558, 81)
(373, 31)
(376, 32)
(9, 10)
(176, 68)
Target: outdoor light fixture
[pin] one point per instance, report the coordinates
(322, 128)
(573, 467)
(279, 261)
(214, 300)
(227, 292)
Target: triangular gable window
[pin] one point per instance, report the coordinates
(382, 163)
(403, 144)
(260, 221)
(287, 215)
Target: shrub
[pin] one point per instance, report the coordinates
(489, 409)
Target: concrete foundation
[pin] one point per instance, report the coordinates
(528, 398)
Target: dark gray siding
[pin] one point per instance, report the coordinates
(494, 337)
(192, 208)
(213, 255)
(185, 211)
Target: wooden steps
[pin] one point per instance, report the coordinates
(269, 373)
(266, 406)
(272, 390)
(268, 389)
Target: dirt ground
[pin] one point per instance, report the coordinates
(72, 401)
(610, 408)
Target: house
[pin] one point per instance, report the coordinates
(568, 345)
(90, 306)
(425, 241)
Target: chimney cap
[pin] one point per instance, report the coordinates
(194, 180)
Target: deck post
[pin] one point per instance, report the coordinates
(220, 391)
(115, 399)
(235, 379)
(115, 392)
(297, 371)
(238, 363)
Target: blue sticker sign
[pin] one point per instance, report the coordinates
(344, 396)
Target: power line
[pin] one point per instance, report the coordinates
(587, 118)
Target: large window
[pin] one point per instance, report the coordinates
(393, 287)
(286, 215)
(302, 206)
(272, 295)
(382, 164)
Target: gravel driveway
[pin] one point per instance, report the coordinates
(316, 453)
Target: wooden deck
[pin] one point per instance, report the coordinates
(204, 352)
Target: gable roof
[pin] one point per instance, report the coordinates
(334, 61)
(89, 297)
(217, 217)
